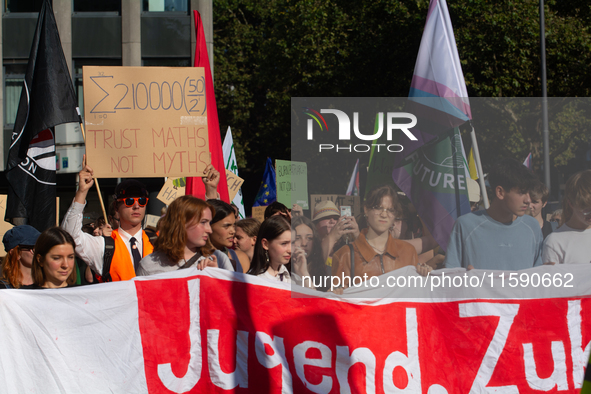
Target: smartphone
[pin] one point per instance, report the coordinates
(345, 210)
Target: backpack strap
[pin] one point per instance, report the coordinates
(352, 254)
(108, 258)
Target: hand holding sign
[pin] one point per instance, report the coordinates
(211, 181)
(86, 175)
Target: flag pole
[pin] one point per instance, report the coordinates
(479, 167)
(98, 188)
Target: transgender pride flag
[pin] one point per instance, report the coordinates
(433, 171)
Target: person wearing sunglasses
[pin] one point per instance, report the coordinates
(19, 244)
(116, 258)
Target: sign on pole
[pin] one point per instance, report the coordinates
(292, 183)
(145, 121)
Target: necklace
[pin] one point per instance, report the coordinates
(380, 251)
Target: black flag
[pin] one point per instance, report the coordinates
(47, 99)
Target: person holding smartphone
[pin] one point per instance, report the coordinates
(331, 227)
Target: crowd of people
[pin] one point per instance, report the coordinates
(512, 234)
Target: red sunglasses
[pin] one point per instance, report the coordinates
(130, 201)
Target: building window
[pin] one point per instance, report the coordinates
(77, 64)
(166, 62)
(97, 6)
(165, 5)
(14, 75)
(23, 6)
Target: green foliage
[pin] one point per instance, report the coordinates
(267, 52)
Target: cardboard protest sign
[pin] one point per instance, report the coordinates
(234, 183)
(152, 220)
(145, 121)
(4, 226)
(259, 213)
(292, 183)
(339, 200)
(170, 191)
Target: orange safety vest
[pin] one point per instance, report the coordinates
(122, 264)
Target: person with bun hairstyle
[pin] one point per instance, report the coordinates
(54, 261)
(375, 251)
(184, 239)
(571, 242)
(19, 243)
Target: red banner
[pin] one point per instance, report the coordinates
(202, 334)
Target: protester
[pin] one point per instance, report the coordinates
(19, 244)
(501, 237)
(246, 236)
(556, 217)
(571, 242)
(276, 208)
(184, 239)
(375, 251)
(223, 231)
(113, 215)
(299, 263)
(332, 227)
(409, 227)
(54, 260)
(130, 242)
(272, 251)
(474, 194)
(539, 199)
(304, 233)
(102, 228)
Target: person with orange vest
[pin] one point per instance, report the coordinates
(130, 242)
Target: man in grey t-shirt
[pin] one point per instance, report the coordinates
(502, 237)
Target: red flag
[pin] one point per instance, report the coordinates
(195, 185)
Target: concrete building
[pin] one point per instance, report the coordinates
(99, 33)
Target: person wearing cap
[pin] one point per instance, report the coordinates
(131, 242)
(19, 244)
(331, 226)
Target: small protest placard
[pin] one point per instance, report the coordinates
(145, 121)
(292, 183)
(339, 200)
(170, 191)
(259, 213)
(152, 220)
(4, 226)
(234, 183)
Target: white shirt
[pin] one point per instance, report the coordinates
(282, 270)
(566, 245)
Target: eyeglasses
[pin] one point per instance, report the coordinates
(380, 210)
(130, 201)
(27, 248)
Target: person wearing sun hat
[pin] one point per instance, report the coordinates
(331, 227)
(19, 244)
